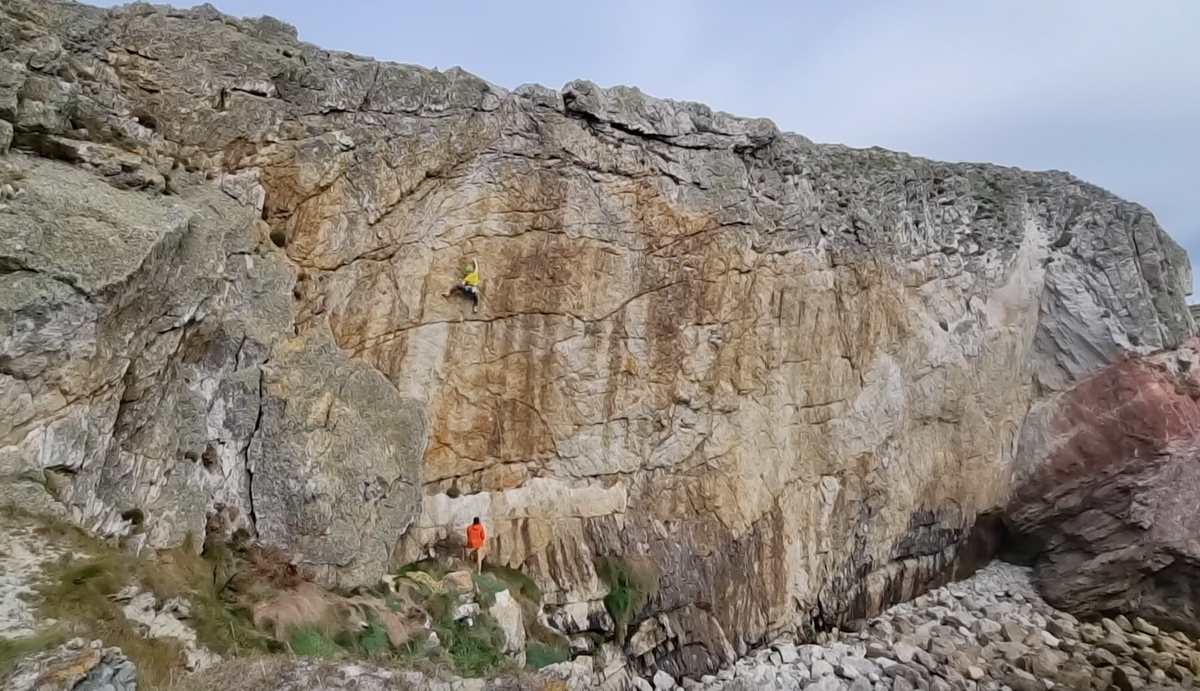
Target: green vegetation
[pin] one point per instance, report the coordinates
(519, 583)
(471, 650)
(12, 650)
(80, 593)
(311, 643)
(539, 655)
(489, 584)
(373, 640)
(529, 596)
(249, 603)
(433, 567)
(486, 587)
(474, 650)
(632, 581)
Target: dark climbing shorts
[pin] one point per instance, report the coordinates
(470, 291)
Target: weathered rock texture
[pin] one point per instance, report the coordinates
(989, 632)
(74, 666)
(1110, 518)
(791, 375)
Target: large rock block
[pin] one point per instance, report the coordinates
(336, 461)
(1110, 517)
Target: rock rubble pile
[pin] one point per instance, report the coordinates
(991, 632)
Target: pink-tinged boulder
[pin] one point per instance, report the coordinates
(1111, 516)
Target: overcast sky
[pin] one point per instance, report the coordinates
(1106, 89)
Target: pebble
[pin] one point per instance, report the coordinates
(1144, 626)
(905, 652)
(821, 668)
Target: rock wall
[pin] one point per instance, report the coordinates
(790, 375)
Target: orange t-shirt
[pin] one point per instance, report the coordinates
(475, 535)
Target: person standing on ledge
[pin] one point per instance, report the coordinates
(469, 285)
(477, 543)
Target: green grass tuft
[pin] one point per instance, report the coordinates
(373, 640)
(486, 587)
(518, 582)
(631, 583)
(310, 643)
(490, 584)
(13, 649)
(539, 655)
(474, 650)
(79, 595)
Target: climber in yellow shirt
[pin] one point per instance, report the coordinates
(469, 285)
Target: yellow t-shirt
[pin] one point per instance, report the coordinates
(472, 278)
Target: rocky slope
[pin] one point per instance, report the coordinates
(985, 633)
(790, 377)
(989, 632)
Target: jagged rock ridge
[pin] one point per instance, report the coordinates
(791, 375)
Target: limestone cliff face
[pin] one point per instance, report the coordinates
(790, 374)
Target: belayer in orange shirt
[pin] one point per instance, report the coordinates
(477, 543)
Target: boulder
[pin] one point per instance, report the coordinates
(1109, 517)
(360, 492)
(1101, 657)
(905, 652)
(988, 631)
(1061, 628)
(1126, 679)
(578, 617)
(821, 668)
(1143, 626)
(830, 683)
(507, 613)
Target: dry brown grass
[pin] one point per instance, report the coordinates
(79, 591)
(272, 566)
(238, 594)
(306, 606)
(400, 626)
(12, 650)
(79, 595)
(259, 673)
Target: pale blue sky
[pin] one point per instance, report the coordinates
(1106, 89)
